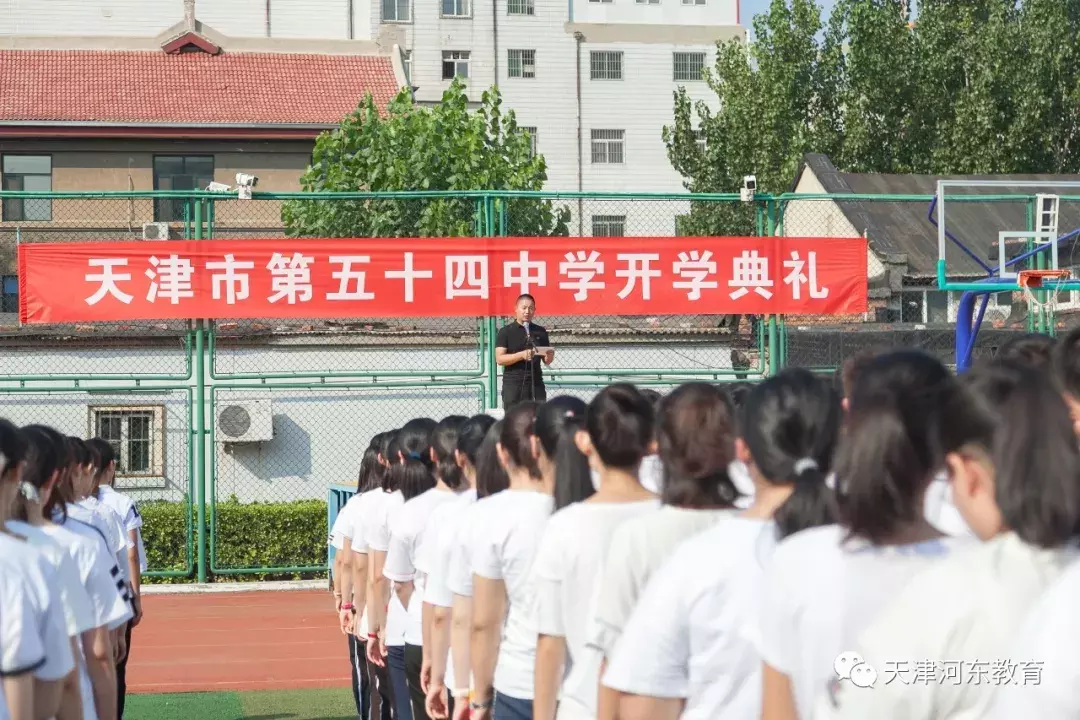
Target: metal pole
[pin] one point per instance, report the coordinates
(200, 420)
(774, 335)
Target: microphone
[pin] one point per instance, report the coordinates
(528, 335)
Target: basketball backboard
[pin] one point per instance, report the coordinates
(989, 230)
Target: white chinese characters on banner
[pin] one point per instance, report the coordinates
(750, 272)
(107, 280)
(524, 273)
(290, 278)
(466, 276)
(346, 276)
(637, 268)
(170, 278)
(410, 276)
(797, 277)
(695, 267)
(582, 268)
(229, 282)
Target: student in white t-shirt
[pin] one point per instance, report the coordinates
(350, 574)
(431, 461)
(688, 650)
(101, 606)
(696, 436)
(491, 479)
(1015, 480)
(507, 532)
(826, 585)
(444, 695)
(611, 436)
(38, 667)
(409, 477)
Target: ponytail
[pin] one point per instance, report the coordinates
(557, 421)
(416, 474)
(790, 424)
(444, 439)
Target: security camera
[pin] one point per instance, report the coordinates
(244, 184)
(218, 187)
(748, 188)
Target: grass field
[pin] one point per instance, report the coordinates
(333, 704)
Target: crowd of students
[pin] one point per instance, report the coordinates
(711, 553)
(71, 559)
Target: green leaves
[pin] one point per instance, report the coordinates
(972, 86)
(412, 148)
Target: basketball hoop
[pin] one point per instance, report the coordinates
(1029, 279)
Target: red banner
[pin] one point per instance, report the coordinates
(424, 277)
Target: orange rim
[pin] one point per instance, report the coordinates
(1034, 278)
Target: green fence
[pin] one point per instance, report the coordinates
(168, 394)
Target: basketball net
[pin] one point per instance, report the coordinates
(1031, 280)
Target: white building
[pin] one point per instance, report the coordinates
(594, 79)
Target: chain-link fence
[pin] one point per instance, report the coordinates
(261, 417)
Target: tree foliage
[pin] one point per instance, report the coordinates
(970, 86)
(412, 148)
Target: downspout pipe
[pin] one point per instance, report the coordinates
(578, 39)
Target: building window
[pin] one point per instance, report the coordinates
(406, 64)
(605, 65)
(531, 132)
(30, 173)
(601, 1)
(137, 436)
(607, 146)
(693, 2)
(521, 63)
(521, 7)
(688, 66)
(455, 63)
(649, 2)
(179, 172)
(396, 11)
(702, 143)
(608, 225)
(455, 8)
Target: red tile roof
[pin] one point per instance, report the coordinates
(188, 88)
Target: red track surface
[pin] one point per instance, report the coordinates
(238, 641)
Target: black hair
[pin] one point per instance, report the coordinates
(524, 296)
(738, 392)
(902, 408)
(415, 472)
(384, 443)
(391, 480)
(491, 477)
(1036, 463)
(48, 453)
(852, 368)
(471, 437)
(696, 435)
(79, 453)
(653, 396)
(444, 441)
(557, 421)
(1031, 350)
(371, 470)
(99, 453)
(1065, 362)
(790, 424)
(516, 436)
(13, 447)
(620, 424)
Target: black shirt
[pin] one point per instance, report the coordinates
(512, 337)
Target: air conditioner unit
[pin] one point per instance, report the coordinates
(155, 231)
(249, 421)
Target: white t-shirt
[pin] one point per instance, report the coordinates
(637, 548)
(91, 510)
(567, 575)
(963, 610)
(508, 531)
(349, 524)
(377, 532)
(107, 562)
(78, 614)
(822, 592)
(33, 632)
(459, 574)
(125, 509)
(1047, 682)
(939, 510)
(692, 634)
(406, 541)
(740, 478)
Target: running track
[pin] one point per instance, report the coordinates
(238, 641)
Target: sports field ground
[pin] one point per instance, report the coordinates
(325, 704)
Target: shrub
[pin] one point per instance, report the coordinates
(249, 535)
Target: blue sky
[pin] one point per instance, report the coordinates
(750, 8)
